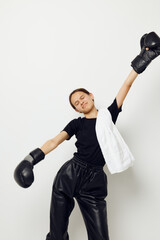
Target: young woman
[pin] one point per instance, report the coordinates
(83, 178)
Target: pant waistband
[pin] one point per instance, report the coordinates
(85, 164)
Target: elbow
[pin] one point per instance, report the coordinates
(53, 143)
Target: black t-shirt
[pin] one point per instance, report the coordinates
(88, 148)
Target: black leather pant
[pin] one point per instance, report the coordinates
(88, 185)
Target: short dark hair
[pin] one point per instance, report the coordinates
(77, 90)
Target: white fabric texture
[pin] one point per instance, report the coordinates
(114, 149)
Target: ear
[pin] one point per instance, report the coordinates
(91, 94)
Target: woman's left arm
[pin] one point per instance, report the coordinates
(150, 49)
(126, 87)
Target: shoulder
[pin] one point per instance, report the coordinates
(114, 107)
(72, 127)
(75, 122)
(114, 110)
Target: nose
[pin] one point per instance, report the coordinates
(81, 102)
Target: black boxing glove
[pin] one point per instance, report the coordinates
(23, 173)
(151, 41)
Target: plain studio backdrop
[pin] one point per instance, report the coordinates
(47, 49)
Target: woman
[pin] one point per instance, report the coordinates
(83, 178)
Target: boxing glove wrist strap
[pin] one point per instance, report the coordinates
(29, 158)
(35, 156)
(139, 64)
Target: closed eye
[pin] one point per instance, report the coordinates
(77, 102)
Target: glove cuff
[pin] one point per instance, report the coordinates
(37, 155)
(139, 65)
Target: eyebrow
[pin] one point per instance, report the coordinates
(79, 98)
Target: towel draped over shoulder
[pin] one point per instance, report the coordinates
(114, 149)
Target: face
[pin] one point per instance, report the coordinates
(82, 102)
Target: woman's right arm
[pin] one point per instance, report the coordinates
(23, 173)
(54, 142)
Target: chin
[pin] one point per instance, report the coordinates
(87, 110)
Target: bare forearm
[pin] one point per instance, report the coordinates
(54, 142)
(131, 77)
(48, 146)
(126, 87)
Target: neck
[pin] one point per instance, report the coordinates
(92, 114)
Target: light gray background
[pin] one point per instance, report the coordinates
(47, 49)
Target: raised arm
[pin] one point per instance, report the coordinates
(150, 49)
(125, 87)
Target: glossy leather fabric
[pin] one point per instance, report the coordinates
(88, 185)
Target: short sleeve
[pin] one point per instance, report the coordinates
(114, 110)
(71, 128)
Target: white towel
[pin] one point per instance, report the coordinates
(114, 149)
